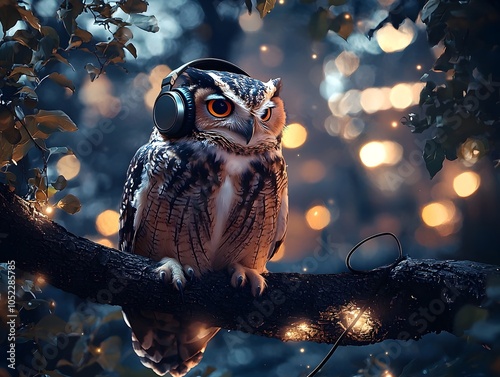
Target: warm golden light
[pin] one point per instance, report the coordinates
(419, 67)
(49, 210)
(107, 223)
(294, 136)
(391, 40)
(68, 166)
(438, 213)
(371, 100)
(318, 217)
(401, 96)
(314, 56)
(372, 154)
(302, 350)
(299, 332)
(466, 184)
(347, 63)
(263, 48)
(394, 124)
(98, 95)
(376, 153)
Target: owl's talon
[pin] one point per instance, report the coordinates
(241, 275)
(171, 272)
(190, 272)
(240, 281)
(258, 291)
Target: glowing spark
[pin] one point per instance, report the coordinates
(49, 210)
(314, 56)
(263, 48)
(419, 67)
(394, 124)
(304, 269)
(302, 350)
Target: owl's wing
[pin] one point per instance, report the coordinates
(282, 223)
(135, 173)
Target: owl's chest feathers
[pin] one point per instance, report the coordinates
(232, 169)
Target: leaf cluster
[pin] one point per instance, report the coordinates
(463, 112)
(31, 55)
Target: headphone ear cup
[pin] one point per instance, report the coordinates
(189, 109)
(174, 112)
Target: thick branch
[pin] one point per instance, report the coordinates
(416, 297)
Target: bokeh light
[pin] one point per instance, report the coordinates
(466, 183)
(376, 153)
(294, 135)
(107, 222)
(347, 63)
(98, 95)
(438, 213)
(318, 217)
(68, 166)
(391, 40)
(401, 96)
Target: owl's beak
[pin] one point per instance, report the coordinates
(246, 131)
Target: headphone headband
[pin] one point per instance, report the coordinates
(204, 64)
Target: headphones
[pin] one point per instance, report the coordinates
(174, 109)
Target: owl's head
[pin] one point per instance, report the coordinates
(232, 107)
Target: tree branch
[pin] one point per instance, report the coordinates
(412, 299)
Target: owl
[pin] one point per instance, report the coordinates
(209, 195)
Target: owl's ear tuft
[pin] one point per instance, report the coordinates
(277, 85)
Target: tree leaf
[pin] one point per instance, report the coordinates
(248, 3)
(433, 157)
(5, 151)
(265, 6)
(28, 96)
(84, 35)
(429, 7)
(69, 204)
(319, 23)
(30, 18)
(148, 23)
(9, 15)
(93, 71)
(62, 80)
(7, 120)
(60, 183)
(343, 25)
(21, 70)
(21, 150)
(26, 38)
(123, 34)
(134, 6)
(50, 121)
(12, 135)
(60, 150)
(131, 48)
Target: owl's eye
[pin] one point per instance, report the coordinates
(219, 108)
(267, 115)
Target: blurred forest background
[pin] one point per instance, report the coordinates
(354, 170)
